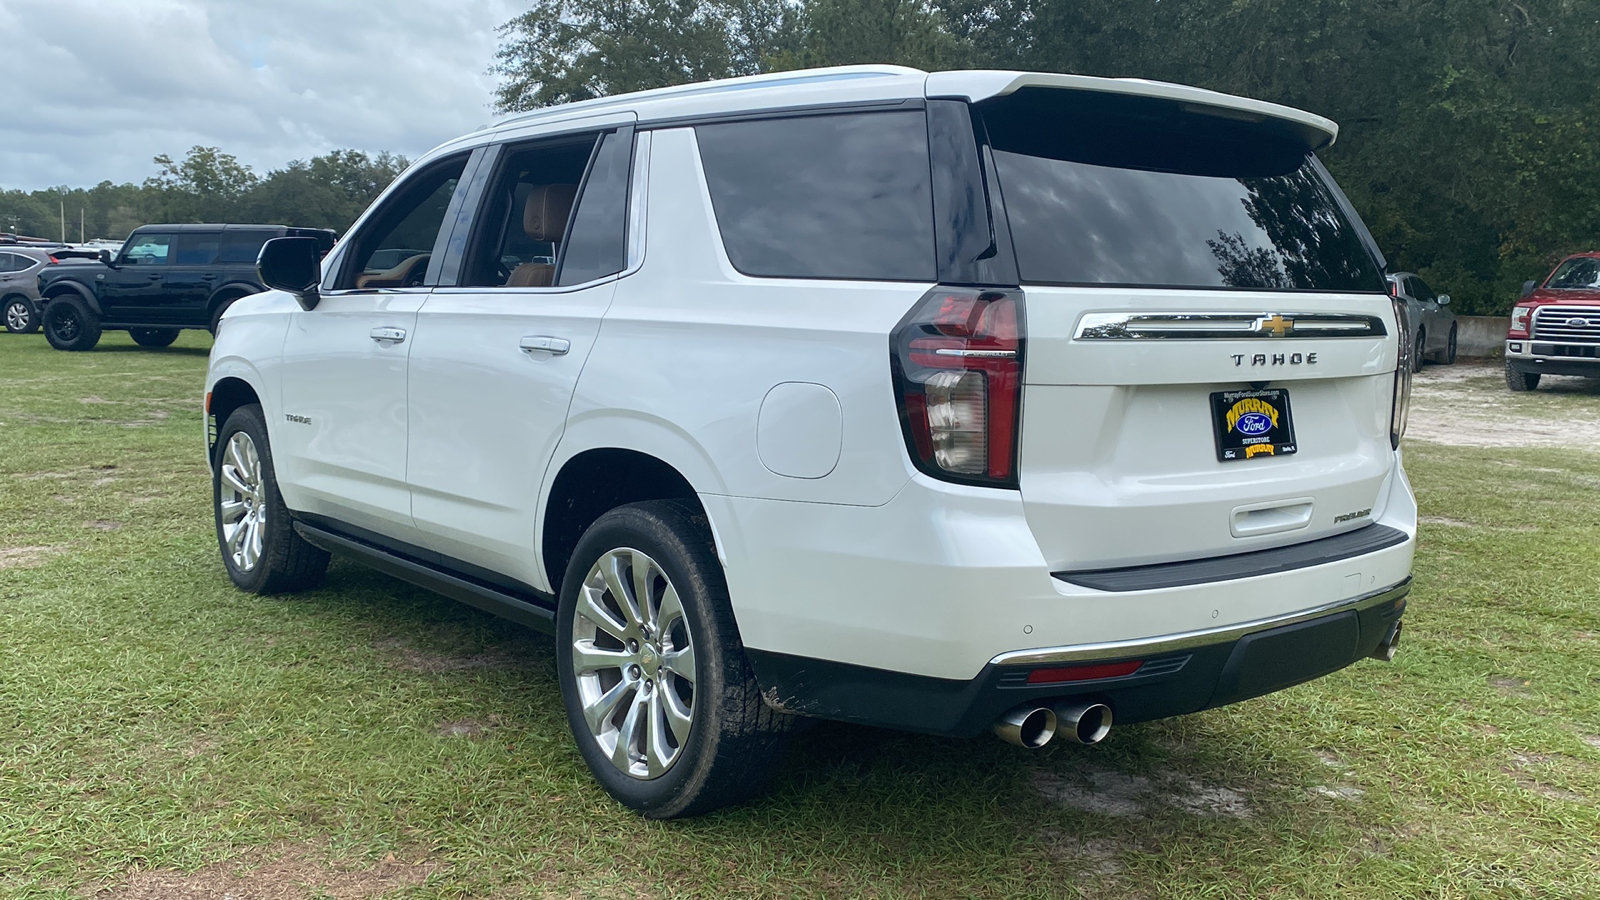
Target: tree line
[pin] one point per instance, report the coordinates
(208, 185)
(1470, 129)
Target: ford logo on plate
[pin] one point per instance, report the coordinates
(1577, 323)
(1254, 423)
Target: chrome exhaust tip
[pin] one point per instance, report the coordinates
(1027, 726)
(1386, 647)
(1086, 723)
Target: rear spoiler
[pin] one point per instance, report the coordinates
(1314, 131)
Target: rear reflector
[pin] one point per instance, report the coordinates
(1085, 672)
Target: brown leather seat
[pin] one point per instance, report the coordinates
(398, 276)
(544, 218)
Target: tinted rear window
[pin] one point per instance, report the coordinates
(242, 247)
(839, 196)
(1103, 190)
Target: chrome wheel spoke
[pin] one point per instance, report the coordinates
(590, 607)
(600, 711)
(231, 510)
(680, 663)
(642, 566)
(628, 733)
(240, 515)
(586, 657)
(234, 535)
(677, 715)
(658, 754)
(611, 567)
(232, 477)
(671, 610)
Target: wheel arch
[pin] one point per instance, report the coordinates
(233, 290)
(594, 481)
(61, 288)
(230, 391)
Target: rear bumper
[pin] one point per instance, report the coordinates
(1181, 673)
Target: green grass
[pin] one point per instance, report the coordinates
(151, 717)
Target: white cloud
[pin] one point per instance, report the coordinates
(95, 88)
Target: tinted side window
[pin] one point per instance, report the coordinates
(9, 262)
(522, 225)
(242, 247)
(395, 246)
(147, 250)
(1422, 291)
(1110, 190)
(597, 246)
(838, 196)
(195, 248)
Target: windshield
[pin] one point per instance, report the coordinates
(1581, 274)
(1103, 191)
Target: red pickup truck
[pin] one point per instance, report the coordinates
(1555, 327)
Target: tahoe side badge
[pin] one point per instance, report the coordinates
(1252, 424)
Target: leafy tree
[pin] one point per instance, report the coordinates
(206, 185)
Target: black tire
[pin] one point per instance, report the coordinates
(69, 323)
(1520, 381)
(285, 561)
(1450, 348)
(21, 315)
(734, 740)
(1417, 351)
(216, 314)
(154, 338)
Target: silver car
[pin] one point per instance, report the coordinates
(19, 286)
(1429, 319)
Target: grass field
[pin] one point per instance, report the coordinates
(162, 735)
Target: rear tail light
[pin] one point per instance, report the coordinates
(1401, 401)
(1519, 320)
(957, 365)
(52, 259)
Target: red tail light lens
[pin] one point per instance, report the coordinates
(957, 365)
(52, 259)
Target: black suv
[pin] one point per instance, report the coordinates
(167, 278)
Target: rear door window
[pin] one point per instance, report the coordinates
(243, 246)
(829, 196)
(196, 248)
(1110, 190)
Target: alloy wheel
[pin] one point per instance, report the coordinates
(241, 502)
(633, 660)
(67, 325)
(17, 316)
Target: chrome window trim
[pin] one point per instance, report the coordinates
(638, 194)
(1169, 643)
(1108, 326)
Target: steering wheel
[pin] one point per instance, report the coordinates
(418, 270)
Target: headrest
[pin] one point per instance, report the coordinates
(544, 216)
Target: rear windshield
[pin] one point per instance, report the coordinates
(1111, 191)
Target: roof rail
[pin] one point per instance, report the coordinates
(741, 83)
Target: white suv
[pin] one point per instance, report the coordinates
(939, 402)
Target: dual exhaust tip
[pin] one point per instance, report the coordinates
(1033, 726)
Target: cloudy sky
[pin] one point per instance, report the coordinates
(95, 88)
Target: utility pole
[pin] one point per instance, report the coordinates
(80, 224)
(63, 220)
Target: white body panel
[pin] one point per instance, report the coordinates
(773, 399)
(347, 459)
(486, 415)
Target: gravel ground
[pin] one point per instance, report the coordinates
(1469, 405)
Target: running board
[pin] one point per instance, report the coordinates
(489, 599)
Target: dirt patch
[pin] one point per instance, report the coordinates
(103, 525)
(290, 874)
(95, 401)
(1468, 405)
(1446, 521)
(1119, 795)
(1592, 740)
(462, 728)
(23, 557)
(1518, 686)
(1097, 856)
(1339, 792)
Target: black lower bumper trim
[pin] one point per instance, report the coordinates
(1556, 366)
(1370, 539)
(1173, 684)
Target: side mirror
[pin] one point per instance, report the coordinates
(108, 259)
(293, 265)
(1444, 299)
(1527, 288)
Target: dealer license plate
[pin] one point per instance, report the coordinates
(1252, 424)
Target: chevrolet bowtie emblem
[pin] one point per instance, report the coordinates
(1277, 324)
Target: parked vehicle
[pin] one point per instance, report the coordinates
(948, 402)
(1555, 327)
(19, 286)
(166, 278)
(1429, 320)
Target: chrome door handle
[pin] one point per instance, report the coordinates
(389, 334)
(552, 345)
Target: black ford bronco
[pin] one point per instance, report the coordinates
(166, 278)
